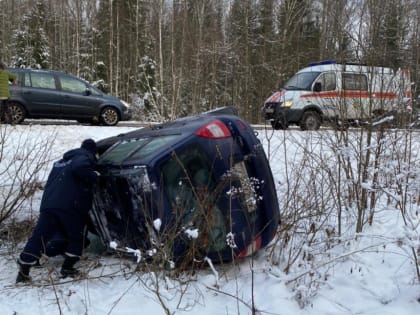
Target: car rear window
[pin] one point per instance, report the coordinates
(135, 149)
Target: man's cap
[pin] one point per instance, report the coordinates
(89, 145)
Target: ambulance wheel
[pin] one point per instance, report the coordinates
(311, 120)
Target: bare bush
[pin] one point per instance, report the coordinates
(21, 172)
(336, 179)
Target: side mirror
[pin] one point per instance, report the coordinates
(317, 87)
(88, 92)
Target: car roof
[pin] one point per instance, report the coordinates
(26, 70)
(346, 68)
(184, 125)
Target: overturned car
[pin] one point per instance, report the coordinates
(193, 188)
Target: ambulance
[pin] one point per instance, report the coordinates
(342, 94)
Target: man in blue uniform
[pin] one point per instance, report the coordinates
(64, 209)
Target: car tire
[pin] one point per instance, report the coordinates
(109, 116)
(311, 120)
(16, 113)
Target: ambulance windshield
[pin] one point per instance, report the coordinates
(301, 81)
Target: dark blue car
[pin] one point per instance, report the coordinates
(196, 187)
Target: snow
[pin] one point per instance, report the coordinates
(135, 252)
(113, 245)
(157, 224)
(370, 273)
(191, 233)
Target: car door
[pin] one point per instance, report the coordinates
(356, 96)
(76, 98)
(41, 95)
(327, 97)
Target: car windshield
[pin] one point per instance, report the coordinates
(301, 81)
(134, 149)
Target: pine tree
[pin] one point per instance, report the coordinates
(242, 26)
(299, 35)
(389, 28)
(31, 47)
(264, 55)
(148, 89)
(101, 23)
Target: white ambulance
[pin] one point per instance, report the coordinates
(342, 94)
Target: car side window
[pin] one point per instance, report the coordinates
(27, 80)
(328, 81)
(355, 82)
(42, 80)
(69, 84)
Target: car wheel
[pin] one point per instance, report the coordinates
(109, 116)
(311, 120)
(16, 113)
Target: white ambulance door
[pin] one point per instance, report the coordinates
(327, 94)
(356, 100)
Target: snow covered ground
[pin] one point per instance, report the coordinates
(372, 274)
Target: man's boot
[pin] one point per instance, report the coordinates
(23, 274)
(67, 269)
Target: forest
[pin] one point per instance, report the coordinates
(177, 57)
(349, 236)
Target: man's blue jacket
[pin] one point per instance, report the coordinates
(70, 184)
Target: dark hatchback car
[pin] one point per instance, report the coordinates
(58, 95)
(199, 186)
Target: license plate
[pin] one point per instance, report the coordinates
(269, 110)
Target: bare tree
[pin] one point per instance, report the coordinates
(21, 170)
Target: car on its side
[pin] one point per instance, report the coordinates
(199, 186)
(59, 95)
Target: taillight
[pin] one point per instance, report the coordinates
(214, 130)
(251, 248)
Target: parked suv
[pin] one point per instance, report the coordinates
(200, 186)
(58, 95)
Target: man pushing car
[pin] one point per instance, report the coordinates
(65, 204)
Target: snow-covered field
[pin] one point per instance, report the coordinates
(371, 274)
